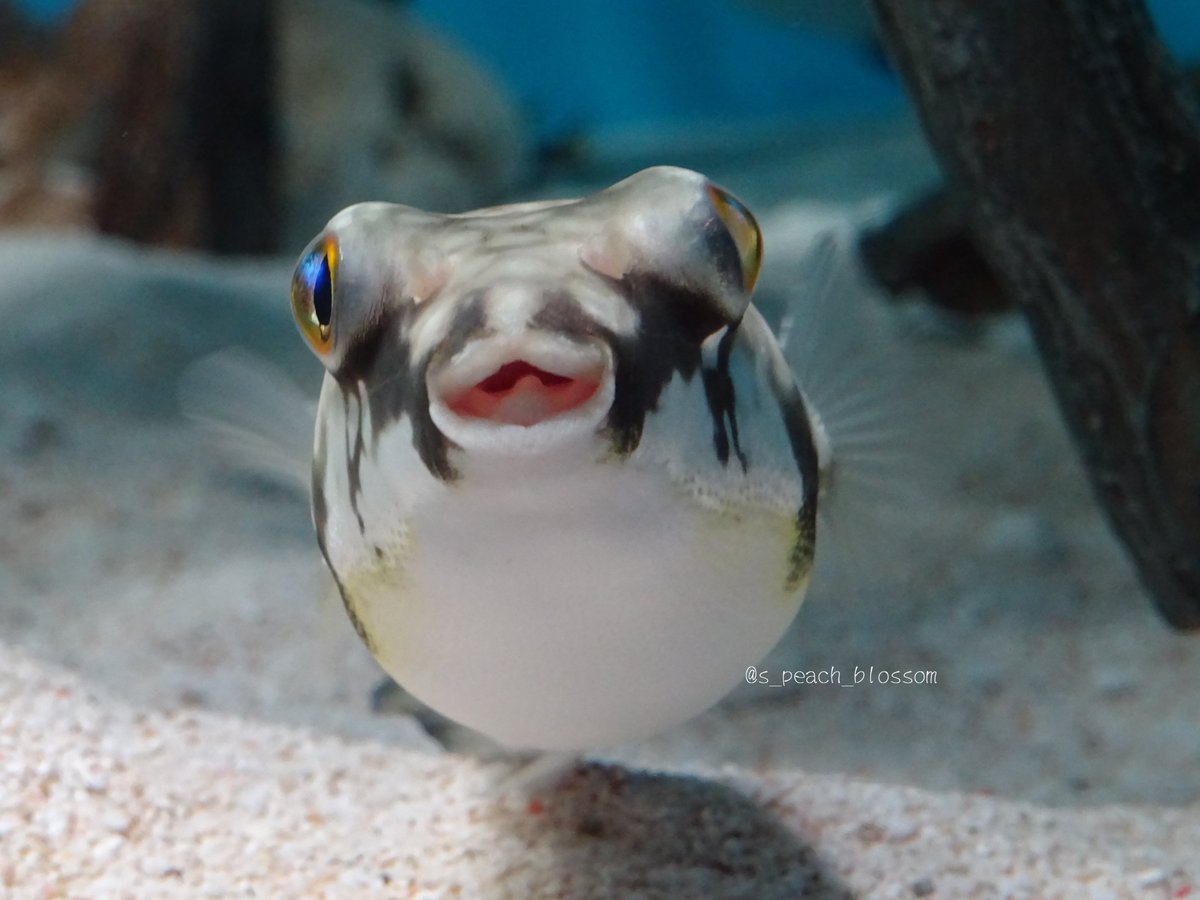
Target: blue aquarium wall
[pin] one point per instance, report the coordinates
(596, 64)
(621, 62)
(624, 62)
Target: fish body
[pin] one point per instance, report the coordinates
(562, 474)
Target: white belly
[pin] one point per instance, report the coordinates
(571, 610)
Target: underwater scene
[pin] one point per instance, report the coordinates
(724, 448)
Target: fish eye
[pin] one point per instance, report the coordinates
(313, 290)
(742, 227)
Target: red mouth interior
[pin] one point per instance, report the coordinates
(519, 393)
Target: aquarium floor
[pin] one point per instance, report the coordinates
(183, 707)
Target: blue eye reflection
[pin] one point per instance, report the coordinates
(316, 276)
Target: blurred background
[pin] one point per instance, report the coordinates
(593, 65)
(125, 116)
(163, 164)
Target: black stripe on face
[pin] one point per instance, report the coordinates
(320, 514)
(643, 363)
(722, 406)
(380, 362)
(562, 314)
(804, 451)
(355, 446)
(320, 506)
(673, 323)
(470, 323)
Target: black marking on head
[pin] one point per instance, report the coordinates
(562, 314)
(361, 359)
(380, 360)
(804, 451)
(719, 392)
(320, 512)
(432, 446)
(470, 323)
(355, 445)
(320, 507)
(674, 322)
(643, 363)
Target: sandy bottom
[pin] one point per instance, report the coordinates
(183, 706)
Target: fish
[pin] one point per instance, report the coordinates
(562, 473)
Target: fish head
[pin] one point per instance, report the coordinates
(504, 330)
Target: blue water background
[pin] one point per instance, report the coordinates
(590, 65)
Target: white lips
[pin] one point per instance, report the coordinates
(579, 361)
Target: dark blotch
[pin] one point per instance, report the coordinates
(804, 451)
(470, 323)
(355, 445)
(562, 314)
(320, 507)
(381, 360)
(320, 513)
(673, 324)
(361, 360)
(719, 391)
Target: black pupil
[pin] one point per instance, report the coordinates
(322, 293)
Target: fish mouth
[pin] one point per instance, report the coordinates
(524, 383)
(520, 393)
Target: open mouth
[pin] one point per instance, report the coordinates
(523, 383)
(520, 393)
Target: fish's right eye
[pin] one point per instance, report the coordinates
(314, 289)
(747, 237)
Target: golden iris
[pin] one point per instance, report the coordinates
(313, 290)
(742, 227)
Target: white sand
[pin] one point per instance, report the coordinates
(183, 707)
(104, 800)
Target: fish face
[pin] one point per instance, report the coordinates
(561, 473)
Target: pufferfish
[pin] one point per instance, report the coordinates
(562, 474)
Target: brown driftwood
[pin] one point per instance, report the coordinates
(169, 110)
(926, 248)
(1077, 148)
(188, 150)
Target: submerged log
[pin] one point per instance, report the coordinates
(1073, 140)
(166, 114)
(927, 247)
(188, 151)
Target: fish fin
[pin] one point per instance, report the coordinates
(389, 698)
(530, 771)
(537, 773)
(840, 340)
(257, 417)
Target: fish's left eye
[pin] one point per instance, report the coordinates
(742, 227)
(313, 291)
